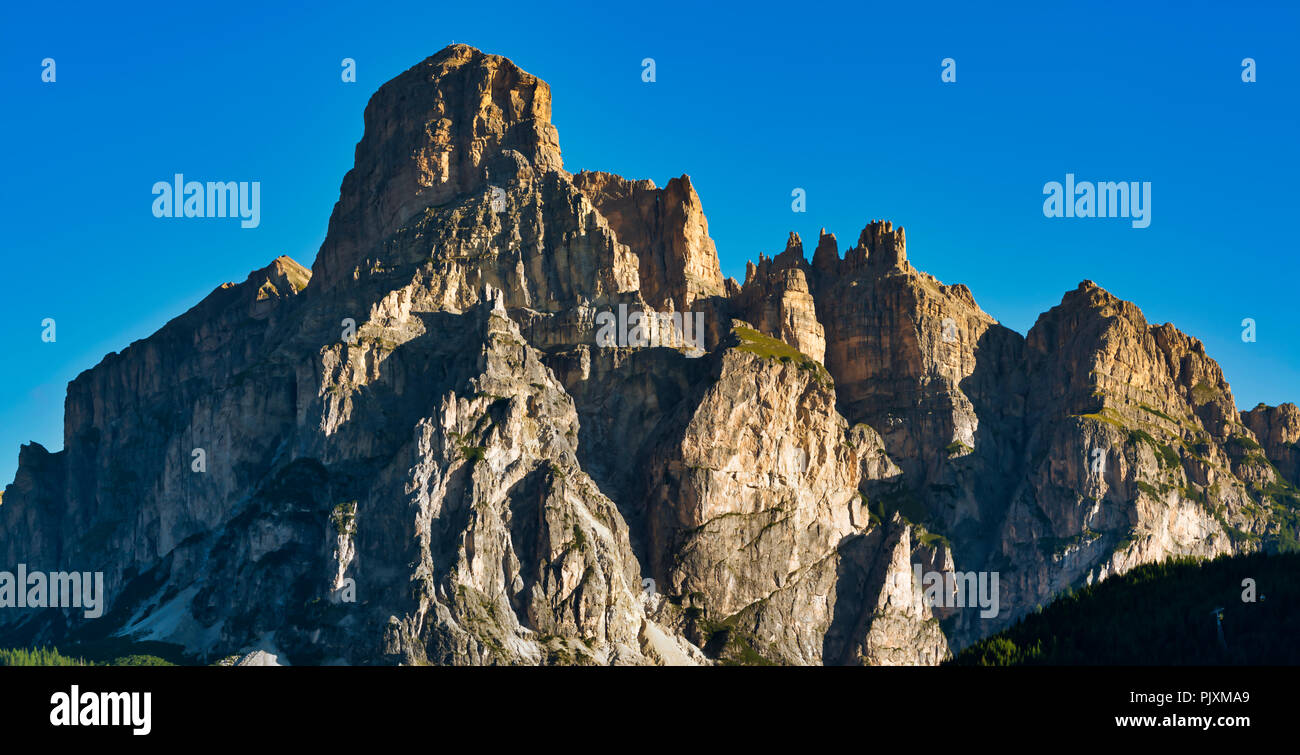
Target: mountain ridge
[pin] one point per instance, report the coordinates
(424, 421)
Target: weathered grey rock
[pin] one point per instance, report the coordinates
(419, 453)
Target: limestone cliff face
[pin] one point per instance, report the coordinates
(420, 451)
(666, 227)
(937, 377)
(431, 135)
(1097, 443)
(778, 300)
(1277, 428)
(121, 495)
(1132, 453)
(749, 497)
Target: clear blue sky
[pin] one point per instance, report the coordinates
(845, 102)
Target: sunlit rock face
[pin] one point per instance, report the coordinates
(419, 451)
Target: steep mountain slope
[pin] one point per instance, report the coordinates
(422, 451)
(1232, 610)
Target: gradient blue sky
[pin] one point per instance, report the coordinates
(752, 101)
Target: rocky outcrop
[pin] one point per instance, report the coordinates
(778, 300)
(754, 484)
(444, 129)
(420, 451)
(1277, 428)
(667, 230)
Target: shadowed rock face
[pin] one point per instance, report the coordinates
(419, 451)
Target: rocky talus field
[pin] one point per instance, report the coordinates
(469, 475)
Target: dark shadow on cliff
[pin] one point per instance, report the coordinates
(855, 598)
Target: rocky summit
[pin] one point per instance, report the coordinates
(419, 452)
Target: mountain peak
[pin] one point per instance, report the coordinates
(433, 133)
(461, 418)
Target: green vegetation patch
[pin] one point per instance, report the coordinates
(1166, 456)
(1240, 445)
(344, 518)
(730, 646)
(52, 656)
(1104, 415)
(957, 448)
(1152, 410)
(773, 348)
(39, 657)
(931, 539)
(1203, 393)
